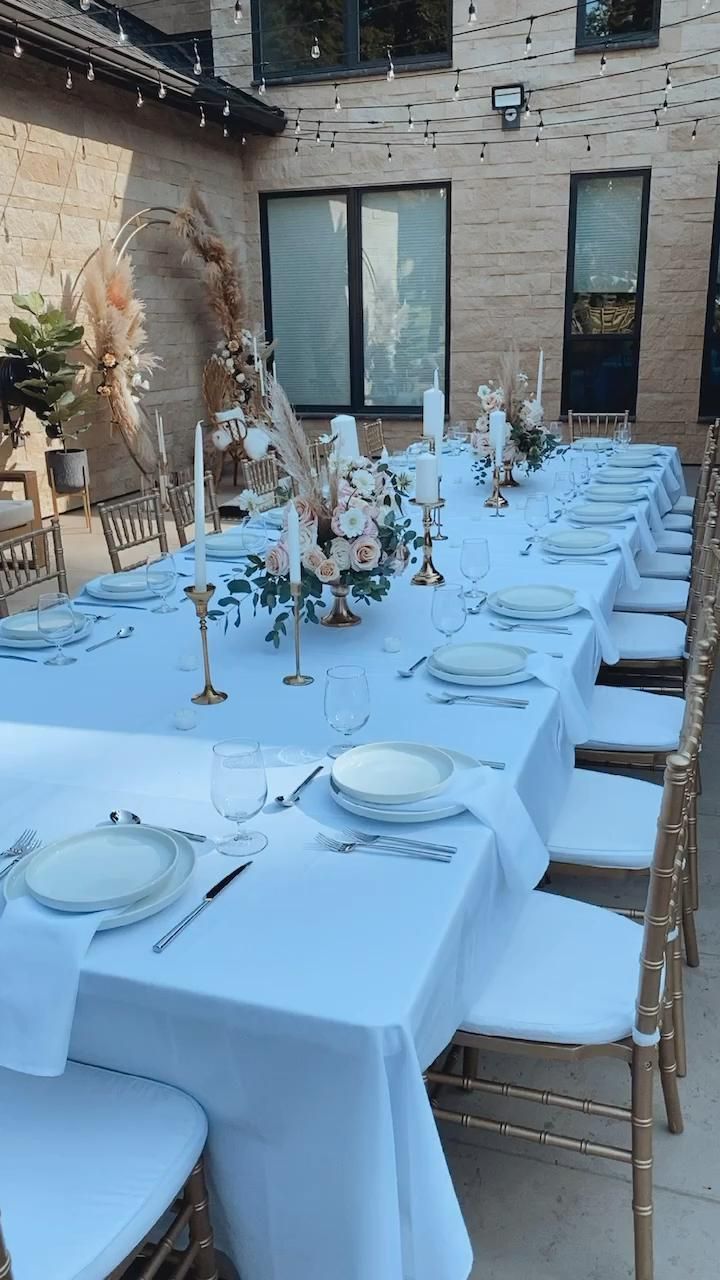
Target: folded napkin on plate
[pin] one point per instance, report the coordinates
(608, 648)
(662, 498)
(559, 677)
(630, 570)
(647, 542)
(496, 804)
(41, 955)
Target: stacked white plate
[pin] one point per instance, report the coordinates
(593, 443)
(398, 781)
(115, 587)
(235, 543)
(599, 513)
(272, 519)
(129, 872)
(578, 542)
(480, 664)
(622, 475)
(614, 493)
(626, 459)
(20, 631)
(538, 602)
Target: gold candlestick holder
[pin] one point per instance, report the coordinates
(201, 599)
(297, 679)
(508, 481)
(496, 499)
(428, 575)
(438, 535)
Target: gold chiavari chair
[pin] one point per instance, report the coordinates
(374, 438)
(582, 426)
(30, 559)
(182, 505)
(320, 451)
(135, 522)
(566, 989)
(263, 477)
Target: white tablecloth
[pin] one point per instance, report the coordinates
(302, 1007)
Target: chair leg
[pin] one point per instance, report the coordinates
(643, 1072)
(200, 1226)
(668, 1070)
(675, 981)
(692, 954)
(692, 852)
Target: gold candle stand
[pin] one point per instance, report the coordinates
(508, 481)
(201, 599)
(438, 535)
(496, 499)
(297, 679)
(428, 576)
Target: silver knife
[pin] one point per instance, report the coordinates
(16, 657)
(192, 915)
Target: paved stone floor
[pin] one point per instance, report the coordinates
(536, 1212)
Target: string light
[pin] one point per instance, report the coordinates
(411, 122)
(226, 108)
(668, 78)
(203, 121)
(122, 34)
(243, 140)
(332, 144)
(68, 79)
(693, 135)
(237, 16)
(140, 98)
(162, 91)
(528, 38)
(262, 87)
(603, 64)
(18, 49)
(527, 104)
(456, 90)
(587, 139)
(336, 104)
(434, 145)
(297, 147)
(665, 103)
(426, 135)
(537, 139)
(317, 135)
(297, 123)
(657, 121)
(389, 154)
(197, 64)
(472, 12)
(226, 131)
(90, 71)
(390, 74)
(315, 51)
(482, 153)
(541, 122)
(84, 5)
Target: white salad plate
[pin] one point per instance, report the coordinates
(518, 676)
(96, 591)
(431, 810)
(633, 460)
(481, 659)
(614, 493)
(102, 869)
(599, 513)
(622, 475)
(534, 615)
(535, 599)
(392, 773)
(34, 640)
(14, 885)
(235, 543)
(578, 542)
(593, 443)
(24, 626)
(129, 582)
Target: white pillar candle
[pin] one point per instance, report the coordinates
(426, 479)
(497, 436)
(344, 428)
(541, 370)
(433, 408)
(293, 544)
(200, 565)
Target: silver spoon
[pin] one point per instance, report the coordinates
(125, 817)
(407, 674)
(123, 634)
(289, 800)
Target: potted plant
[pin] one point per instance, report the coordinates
(44, 380)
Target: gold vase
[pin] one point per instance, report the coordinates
(340, 615)
(508, 481)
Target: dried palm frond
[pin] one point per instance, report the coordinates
(195, 224)
(513, 382)
(288, 438)
(218, 387)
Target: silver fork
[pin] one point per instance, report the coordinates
(29, 846)
(352, 846)
(477, 700)
(18, 844)
(403, 842)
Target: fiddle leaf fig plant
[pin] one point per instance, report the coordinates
(45, 378)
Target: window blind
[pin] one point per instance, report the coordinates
(607, 235)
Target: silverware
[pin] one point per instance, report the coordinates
(527, 549)
(531, 626)
(352, 846)
(404, 842)
(96, 617)
(289, 801)
(17, 657)
(410, 672)
(17, 845)
(579, 560)
(478, 700)
(29, 846)
(192, 915)
(121, 817)
(119, 605)
(123, 634)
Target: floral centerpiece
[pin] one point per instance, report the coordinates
(528, 442)
(354, 537)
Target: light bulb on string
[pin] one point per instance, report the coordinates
(657, 120)
(332, 142)
(541, 122)
(472, 12)
(237, 15)
(317, 135)
(603, 63)
(17, 48)
(84, 5)
(297, 147)
(587, 139)
(226, 108)
(243, 140)
(262, 87)
(482, 153)
(456, 90)
(434, 145)
(411, 122)
(226, 131)
(389, 154)
(122, 34)
(665, 103)
(527, 104)
(528, 38)
(668, 78)
(336, 104)
(90, 71)
(140, 98)
(390, 73)
(197, 64)
(162, 91)
(297, 123)
(426, 135)
(693, 135)
(315, 50)
(68, 79)
(537, 139)
(203, 121)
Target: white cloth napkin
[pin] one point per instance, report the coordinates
(559, 677)
(496, 804)
(676, 471)
(630, 571)
(41, 955)
(608, 648)
(663, 498)
(647, 541)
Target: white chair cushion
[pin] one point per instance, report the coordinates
(568, 974)
(629, 719)
(648, 636)
(14, 514)
(677, 544)
(677, 523)
(89, 1162)
(654, 595)
(606, 821)
(684, 506)
(662, 564)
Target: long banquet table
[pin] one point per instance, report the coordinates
(302, 1008)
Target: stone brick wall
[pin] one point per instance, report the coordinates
(173, 16)
(73, 167)
(510, 214)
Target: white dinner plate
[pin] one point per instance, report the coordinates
(599, 513)
(392, 772)
(98, 592)
(24, 626)
(36, 641)
(513, 677)
(614, 493)
(593, 443)
(431, 810)
(127, 583)
(102, 869)
(577, 542)
(533, 599)
(234, 543)
(537, 615)
(14, 886)
(622, 475)
(633, 460)
(479, 659)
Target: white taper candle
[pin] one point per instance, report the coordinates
(200, 562)
(293, 544)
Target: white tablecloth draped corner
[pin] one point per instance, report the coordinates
(559, 677)
(495, 802)
(608, 648)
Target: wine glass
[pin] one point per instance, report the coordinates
(537, 512)
(56, 621)
(238, 790)
(563, 491)
(474, 563)
(449, 608)
(347, 703)
(161, 575)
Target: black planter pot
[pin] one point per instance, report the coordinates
(69, 468)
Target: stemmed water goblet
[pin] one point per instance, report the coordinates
(56, 620)
(347, 703)
(474, 564)
(449, 608)
(238, 789)
(537, 513)
(161, 576)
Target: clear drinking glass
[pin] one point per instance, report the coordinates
(537, 512)
(563, 491)
(474, 563)
(56, 620)
(238, 790)
(161, 575)
(347, 703)
(449, 609)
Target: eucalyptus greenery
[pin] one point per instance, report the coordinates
(42, 342)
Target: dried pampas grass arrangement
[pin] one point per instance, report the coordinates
(288, 438)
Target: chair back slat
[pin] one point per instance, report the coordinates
(261, 476)
(29, 559)
(604, 425)
(704, 572)
(135, 522)
(182, 505)
(320, 451)
(374, 438)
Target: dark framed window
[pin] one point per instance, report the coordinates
(356, 288)
(710, 381)
(617, 22)
(604, 293)
(352, 36)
